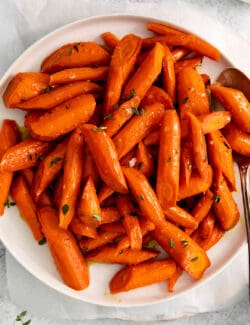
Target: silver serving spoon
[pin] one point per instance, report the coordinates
(234, 78)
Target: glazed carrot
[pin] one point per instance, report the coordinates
(137, 128)
(214, 121)
(180, 217)
(104, 193)
(57, 96)
(46, 199)
(146, 74)
(163, 29)
(236, 103)
(110, 39)
(197, 184)
(179, 53)
(57, 193)
(103, 151)
(75, 55)
(72, 175)
(207, 225)
(79, 228)
(27, 208)
(216, 235)
(28, 174)
(168, 73)
(140, 275)
(191, 62)
(63, 118)
(23, 155)
(78, 74)
(129, 159)
(48, 169)
(130, 221)
(167, 183)
(238, 140)
(206, 79)
(104, 237)
(121, 65)
(113, 227)
(89, 167)
(199, 147)
(203, 206)
(220, 157)
(109, 215)
(88, 210)
(144, 160)
(24, 86)
(96, 118)
(152, 139)
(224, 206)
(173, 279)
(192, 95)
(31, 116)
(111, 254)
(157, 95)
(186, 162)
(64, 250)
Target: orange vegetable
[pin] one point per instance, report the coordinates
(136, 276)
(104, 193)
(144, 160)
(173, 279)
(57, 193)
(191, 62)
(168, 169)
(113, 227)
(206, 79)
(186, 162)
(214, 121)
(89, 167)
(79, 228)
(63, 118)
(72, 175)
(178, 53)
(238, 140)
(64, 250)
(110, 39)
(207, 225)
(216, 235)
(168, 73)
(152, 139)
(157, 95)
(75, 55)
(180, 217)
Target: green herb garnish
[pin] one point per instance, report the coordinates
(194, 259)
(185, 243)
(99, 128)
(172, 243)
(65, 209)
(135, 110)
(42, 241)
(169, 159)
(141, 197)
(142, 111)
(47, 89)
(185, 100)
(70, 51)
(55, 161)
(96, 217)
(216, 198)
(115, 106)
(109, 116)
(9, 204)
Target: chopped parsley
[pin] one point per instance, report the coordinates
(65, 209)
(115, 106)
(172, 243)
(135, 110)
(109, 116)
(194, 259)
(185, 100)
(42, 241)
(20, 318)
(185, 243)
(9, 204)
(99, 128)
(47, 89)
(142, 111)
(216, 198)
(69, 51)
(169, 159)
(141, 197)
(55, 161)
(96, 217)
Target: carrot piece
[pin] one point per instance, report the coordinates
(144, 160)
(214, 121)
(206, 79)
(111, 254)
(57, 96)
(79, 228)
(152, 139)
(199, 147)
(28, 174)
(48, 169)
(140, 275)
(89, 168)
(173, 279)
(109, 215)
(191, 62)
(75, 55)
(58, 191)
(129, 159)
(23, 155)
(203, 206)
(163, 29)
(63, 118)
(192, 95)
(72, 176)
(110, 39)
(186, 162)
(180, 217)
(104, 193)
(197, 184)
(113, 227)
(121, 65)
(238, 140)
(78, 74)
(220, 157)
(167, 183)
(32, 116)
(24, 86)
(157, 95)
(207, 225)
(168, 73)
(46, 200)
(27, 208)
(179, 53)
(216, 235)
(63, 247)
(88, 210)
(5, 184)
(236, 103)
(96, 118)
(224, 206)
(130, 221)
(146, 74)
(104, 237)
(137, 128)
(103, 151)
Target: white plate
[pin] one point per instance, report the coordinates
(15, 234)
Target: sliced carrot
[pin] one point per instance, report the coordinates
(132, 277)
(173, 279)
(207, 225)
(22, 197)
(79, 228)
(186, 162)
(64, 250)
(163, 29)
(168, 73)
(178, 53)
(63, 118)
(153, 138)
(203, 206)
(214, 121)
(110, 39)
(116, 227)
(168, 169)
(144, 160)
(180, 217)
(75, 55)
(57, 192)
(216, 235)
(89, 167)
(238, 140)
(109, 215)
(157, 95)
(206, 79)
(72, 175)
(104, 193)
(191, 62)
(28, 174)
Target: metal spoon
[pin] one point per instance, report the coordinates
(234, 78)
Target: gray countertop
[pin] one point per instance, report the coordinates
(233, 13)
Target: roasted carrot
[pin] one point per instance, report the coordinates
(224, 206)
(63, 118)
(30, 117)
(110, 39)
(191, 62)
(46, 199)
(144, 160)
(157, 95)
(178, 53)
(136, 276)
(22, 197)
(206, 79)
(79, 228)
(64, 250)
(153, 138)
(57, 191)
(89, 167)
(109, 215)
(207, 225)
(216, 235)
(116, 227)
(88, 210)
(168, 73)
(24, 86)
(236, 103)
(75, 55)
(238, 140)
(72, 175)
(167, 183)
(104, 193)
(203, 206)
(28, 174)
(103, 151)
(173, 279)
(121, 65)
(23, 155)
(180, 217)
(186, 162)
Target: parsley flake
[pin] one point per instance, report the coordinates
(55, 161)
(109, 116)
(9, 204)
(172, 243)
(169, 159)
(133, 92)
(99, 128)
(135, 110)
(142, 111)
(216, 198)
(21, 316)
(69, 51)
(185, 100)
(141, 197)
(115, 106)
(194, 259)
(185, 243)
(47, 89)
(96, 217)
(42, 241)
(65, 209)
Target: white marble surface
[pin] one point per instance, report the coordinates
(233, 13)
